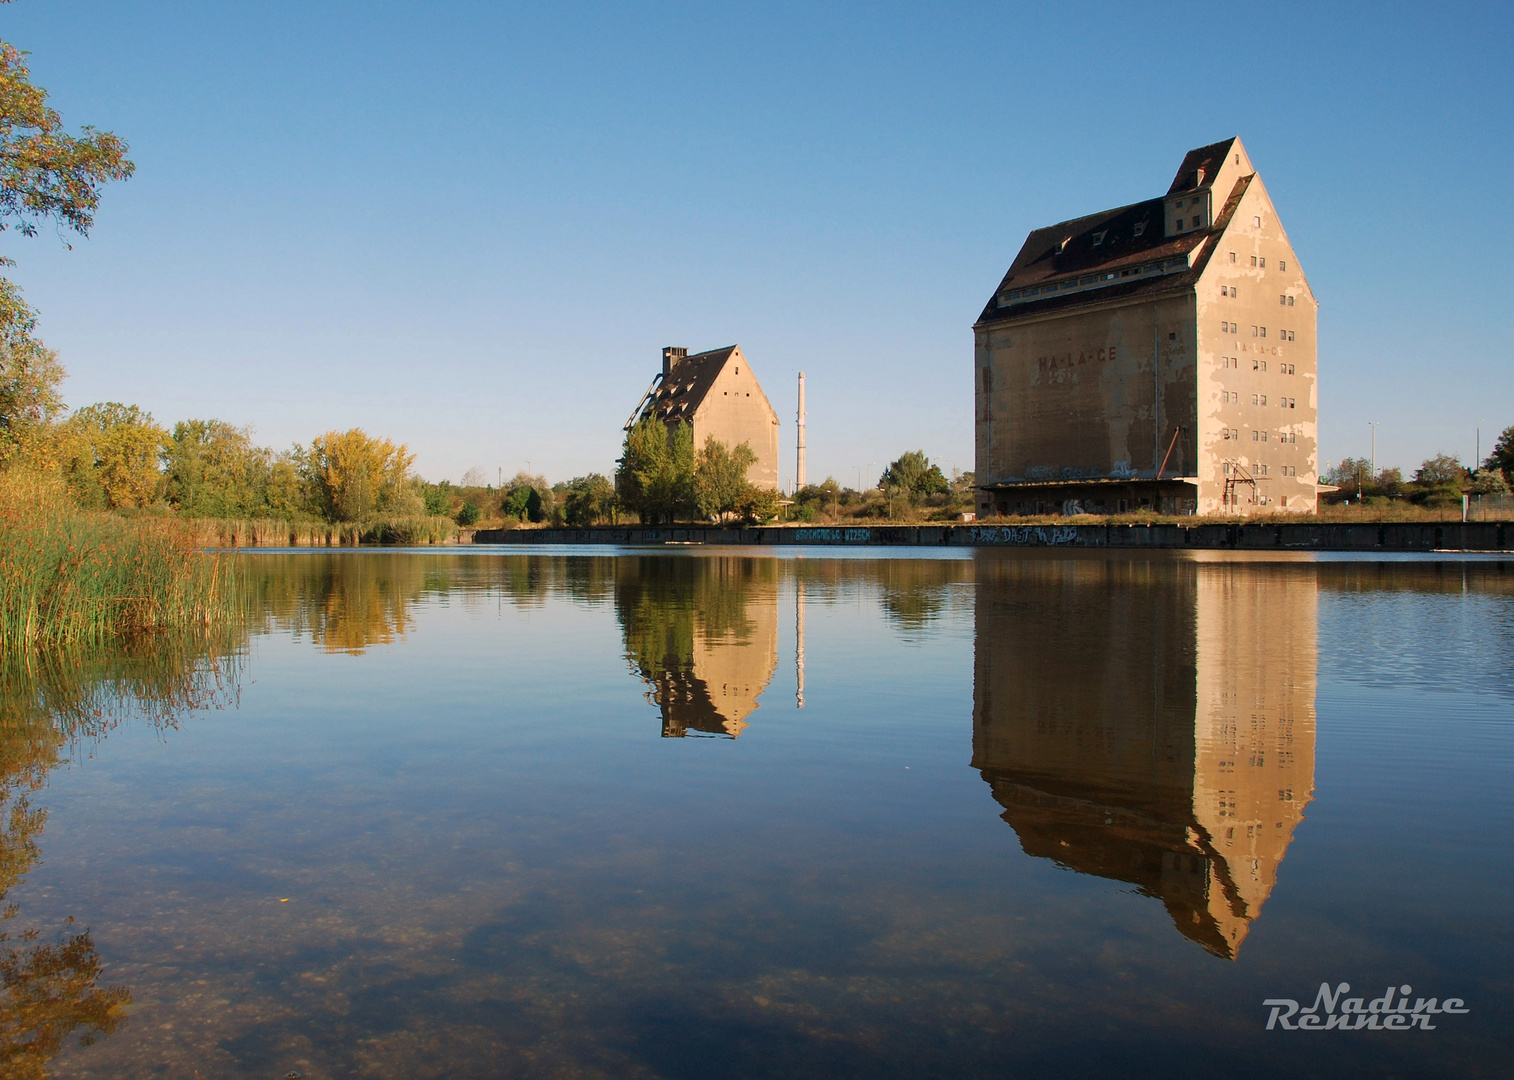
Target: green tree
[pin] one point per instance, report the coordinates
(720, 477)
(438, 498)
(527, 498)
(913, 476)
(212, 469)
(1350, 473)
(1502, 457)
(119, 447)
(1439, 471)
(469, 514)
(589, 500)
(757, 506)
(287, 493)
(1489, 482)
(656, 477)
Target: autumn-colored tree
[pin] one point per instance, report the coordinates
(353, 476)
(46, 175)
(118, 450)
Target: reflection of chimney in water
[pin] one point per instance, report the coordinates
(799, 639)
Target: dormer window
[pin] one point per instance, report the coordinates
(1098, 237)
(1140, 227)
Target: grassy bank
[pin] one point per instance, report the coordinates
(75, 578)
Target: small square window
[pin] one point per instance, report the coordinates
(1264, 399)
(1262, 262)
(1232, 256)
(1264, 365)
(1253, 260)
(1264, 331)
(1282, 264)
(1256, 436)
(1257, 221)
(1180, 223)
(1254, 332)
(1290, 335)
(1180, 204)
(1290, 301)
(1264, 436)
(1254, 399)
(1283, 300)
(1256, 365)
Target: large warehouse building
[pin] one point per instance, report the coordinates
(1159, 355)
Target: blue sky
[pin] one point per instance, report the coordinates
(472, 226)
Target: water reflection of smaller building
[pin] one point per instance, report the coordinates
(1152, 724)
(702, 634)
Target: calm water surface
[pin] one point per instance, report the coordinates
(711, 814)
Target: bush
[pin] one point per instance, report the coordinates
(469, 514)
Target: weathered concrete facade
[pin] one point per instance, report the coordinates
(1157, 355)
(718, 396)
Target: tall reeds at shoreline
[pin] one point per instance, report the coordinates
(276, 532)
(72, 578)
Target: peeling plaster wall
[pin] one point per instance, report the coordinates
(1241, 364)
(1070, 396)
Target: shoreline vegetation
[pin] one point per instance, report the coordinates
(76, 578)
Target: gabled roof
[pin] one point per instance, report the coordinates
(687, 382)
(1201, 166)
(1067, 263)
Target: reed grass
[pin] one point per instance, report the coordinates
(278, 532)
(72, 578)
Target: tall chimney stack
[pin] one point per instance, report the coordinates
(799, 467)
(670, 355)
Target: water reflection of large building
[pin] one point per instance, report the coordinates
(702, 633)
(1151, 723)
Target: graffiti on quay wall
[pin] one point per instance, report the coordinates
(833, 536)
(1025, 535)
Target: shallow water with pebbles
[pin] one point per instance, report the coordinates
(717, 814)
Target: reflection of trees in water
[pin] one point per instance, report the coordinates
(702, 634)
(350, 601)
(50, 986)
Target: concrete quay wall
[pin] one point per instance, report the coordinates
(1300, 536)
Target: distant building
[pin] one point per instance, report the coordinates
(716, 393)
(1158, 355)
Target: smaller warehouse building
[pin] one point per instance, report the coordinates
(717, 395)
